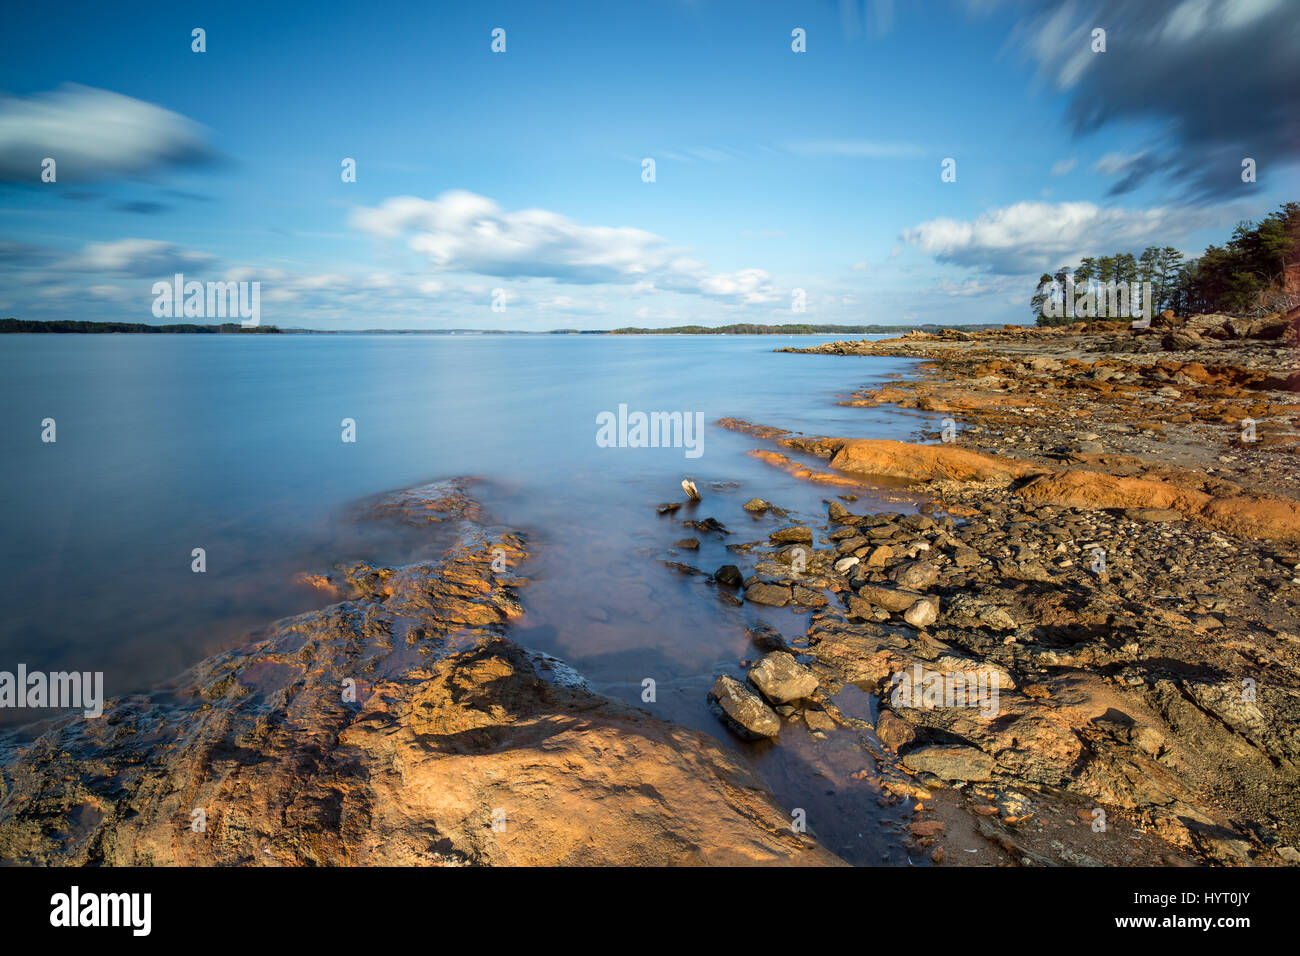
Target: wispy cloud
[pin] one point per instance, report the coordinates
(93, 134)
(854, 148)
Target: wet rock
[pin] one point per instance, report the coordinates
(774, 595)
(708, 524)
(797, 534)
(729, 576)
(819, 721)
(767, 638)
(742, 710)
(782, 679)
(690, 544)
(668, 507)
(404, 774)
(756, 505)
(837, 512)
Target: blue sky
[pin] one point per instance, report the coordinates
(776, 171)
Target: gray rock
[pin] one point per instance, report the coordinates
(1149, 515)
(914, 575)
(923, 613)
(742, 710)
(782, 679)
(951, 763)
(891, 599)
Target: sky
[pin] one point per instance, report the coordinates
(510, 190)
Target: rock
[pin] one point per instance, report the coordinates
(774, 595)
(407, 773)
(845, 564)
(756, 505)
(708, 524)
(923, 613)
(819, 720)
(1150, 515)
(951, 762)
(690, 544)
(894, 732)
(914, 575)
(891, 599)
(869, 457)
(668, 507)
(794, 535)
(880, 556)
(1181, 340)
(837, 511)
(782, 679)
(807, 597)
(729, 576)
(742, 710)
(767, 638)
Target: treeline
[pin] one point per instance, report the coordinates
(74, 326)
(747, 329)
(1238, 276)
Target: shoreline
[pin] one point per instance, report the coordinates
(1115, 688)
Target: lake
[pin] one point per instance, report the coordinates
(234, 444)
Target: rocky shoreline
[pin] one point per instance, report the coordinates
(399, 726)
(1108, 539)
(1072, 642)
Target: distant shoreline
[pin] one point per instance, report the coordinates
(26, 327)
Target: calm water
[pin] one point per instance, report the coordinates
(234, 445)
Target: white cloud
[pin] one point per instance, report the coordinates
(147, 258)
(464, 232)
(1063, 166)
(1037, 236)
(92, 134)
